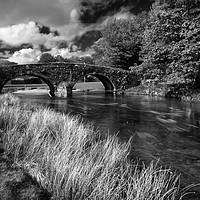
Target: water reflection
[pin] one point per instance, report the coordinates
(161, 129)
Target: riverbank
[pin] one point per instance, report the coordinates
(182, 93)
(68, 159)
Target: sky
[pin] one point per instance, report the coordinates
(21, 33)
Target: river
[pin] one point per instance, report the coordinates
(161, 129)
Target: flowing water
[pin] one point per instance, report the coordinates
(167, 130)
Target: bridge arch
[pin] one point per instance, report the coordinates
(107, 83)
(42, 77)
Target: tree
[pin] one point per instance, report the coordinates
(81, 59)
(120, 43)
(171, 42)
(59, 58)
(47, 57)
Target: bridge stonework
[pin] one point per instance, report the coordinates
(62, 76)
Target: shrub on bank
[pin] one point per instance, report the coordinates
(180, 92)
(149, 88)
(71, 160)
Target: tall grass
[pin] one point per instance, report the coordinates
(72, 161)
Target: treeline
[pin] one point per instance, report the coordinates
(163, 44)
(47, 57)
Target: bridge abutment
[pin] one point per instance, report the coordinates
(64, 89)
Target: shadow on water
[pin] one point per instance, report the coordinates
(162, 129)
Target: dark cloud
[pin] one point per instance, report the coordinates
(91, 11)
(46, 29)
(6, 49)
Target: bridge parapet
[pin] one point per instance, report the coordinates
(67, 74)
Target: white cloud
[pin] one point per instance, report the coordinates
(123, 15)
(26, 56)
(74, 15)
(120, 15)
(66, 53)
(28, 33)
(16, 35)
(71, 30)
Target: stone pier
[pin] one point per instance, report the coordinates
(64, 89)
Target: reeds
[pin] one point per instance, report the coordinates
(72, 161)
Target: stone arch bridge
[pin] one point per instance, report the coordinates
(62, 76)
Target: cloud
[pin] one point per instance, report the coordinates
(25, 56)
(70, 31)
(5, 54)
(74, 15)
(66, 53)
(28, 33)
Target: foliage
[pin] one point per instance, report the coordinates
(46, 57)
(180, 3)
(120, 43)
(59, 58)
(171, 42)
(85, 59)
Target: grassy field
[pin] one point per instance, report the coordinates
(89, 86)
(62, 157)
(24, 88)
